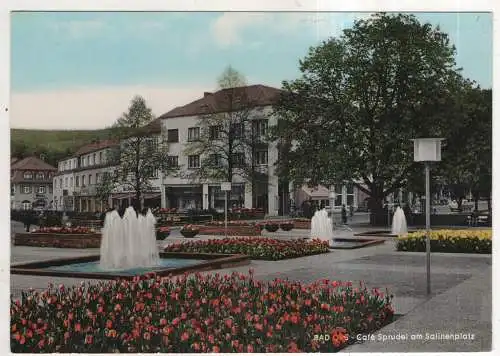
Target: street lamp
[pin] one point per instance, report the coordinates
(427, 150)
(225, 187)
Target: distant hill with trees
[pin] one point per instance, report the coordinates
(52, 145)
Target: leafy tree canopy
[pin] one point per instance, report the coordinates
(363, 96)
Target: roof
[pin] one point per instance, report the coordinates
(96, 146)
(13, 160)
(316, 192)
(225, 100)
(33, 164)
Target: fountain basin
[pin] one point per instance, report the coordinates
(380, 233)
(349, 244)
(88, 266)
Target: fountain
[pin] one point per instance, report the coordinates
(399, 226)
(321, 226)
(340, 238)
(128, 249)
(128, 242)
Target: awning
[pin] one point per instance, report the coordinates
(316, 193)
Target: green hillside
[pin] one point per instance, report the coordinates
(52, 144)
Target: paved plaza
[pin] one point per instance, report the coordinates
(460, 302)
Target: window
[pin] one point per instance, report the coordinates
(173, 161)
(193, 134)
(238, 159)
(237, 130)
(83, 181)
(97, 178)
(50, 189)
(173, 135)
(60, 183)
(70, 181)
(215, 132)
(26, 205)
(215, 160)
(338, 194)
(194, 161)
(77, 181)
(261, 157)
(90, 179)
(12, 189)
(41, 189)
(151, 173)
(66, 182)
(93, 159)
(259, 127)
(40, 176)
(26, 189)
(100, 157)
(28, 175)
(350, 194)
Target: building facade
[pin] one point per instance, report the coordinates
(182, 126)
(75, 184)
(31, 184)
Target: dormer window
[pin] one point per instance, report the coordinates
(40, 176)
(28, 175)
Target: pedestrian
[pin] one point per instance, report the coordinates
(351, 211)
(344, 214)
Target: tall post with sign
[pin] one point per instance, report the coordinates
(225, 187)
(427, 150)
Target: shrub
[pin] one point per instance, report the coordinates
(256, 247)
(271, 226)
(189, 230)
(287, 225)
(214, 313)
(456, 241)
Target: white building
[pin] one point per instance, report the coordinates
(31, 184)
(180, 125)
(75, 183)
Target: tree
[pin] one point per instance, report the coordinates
(467, 157)
(228, 139)
(360, 100)
(141, 156)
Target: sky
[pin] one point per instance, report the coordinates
(79, 70)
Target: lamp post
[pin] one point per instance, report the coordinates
(427, 150)
(225, 187)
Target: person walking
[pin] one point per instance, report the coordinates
(344, 214)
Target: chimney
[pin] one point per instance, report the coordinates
(205, 94)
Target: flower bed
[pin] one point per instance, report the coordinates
(302, 223)
(234, 230)
(255, 247)
(454, 241)
(162, 232)
(64, 230)
(231, 313)
(247, 213)
(63, 240)
(230, 223)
